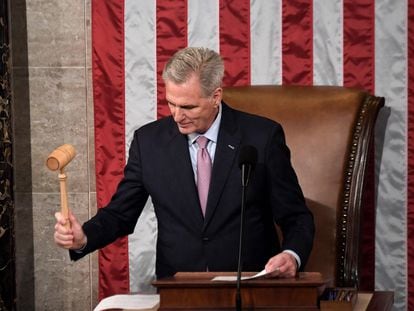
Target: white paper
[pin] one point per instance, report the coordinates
(129, 302)
(234, 278)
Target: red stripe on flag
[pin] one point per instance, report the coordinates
(410, 160)
(235, 41)
(359, 43)
(359, 71)
(108, 93)
(171, 36)
(297, 42)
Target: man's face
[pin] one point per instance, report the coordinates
(191, 111)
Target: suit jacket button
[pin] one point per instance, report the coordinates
(205, 239)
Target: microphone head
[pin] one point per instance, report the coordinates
(248, 156)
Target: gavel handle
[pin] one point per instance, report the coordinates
(64, 198)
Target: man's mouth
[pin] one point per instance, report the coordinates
(184, 124)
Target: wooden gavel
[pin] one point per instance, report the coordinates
(57, 160)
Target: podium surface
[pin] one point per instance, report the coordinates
(198, 291)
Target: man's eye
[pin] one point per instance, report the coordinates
(188, 107)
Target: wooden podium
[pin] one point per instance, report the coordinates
(197, 291)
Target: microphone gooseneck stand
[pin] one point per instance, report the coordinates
(247, 161)
(245, 178)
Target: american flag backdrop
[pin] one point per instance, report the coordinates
(359, 43)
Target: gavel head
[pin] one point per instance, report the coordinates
(60, 157)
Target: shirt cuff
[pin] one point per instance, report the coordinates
(80, 250)
(298, 263)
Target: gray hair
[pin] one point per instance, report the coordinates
(206, 63)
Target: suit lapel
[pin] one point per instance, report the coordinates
(181, 163)
(227, 145)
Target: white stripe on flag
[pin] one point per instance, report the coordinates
(203, 21)
(327, 42)
(266, 42)
(140, 108)
(391, 82)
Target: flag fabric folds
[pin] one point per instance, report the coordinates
(356, 43)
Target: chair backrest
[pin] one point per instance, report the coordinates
(328, 130)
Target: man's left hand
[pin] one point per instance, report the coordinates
(282, 265)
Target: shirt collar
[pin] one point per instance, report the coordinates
(211, 133)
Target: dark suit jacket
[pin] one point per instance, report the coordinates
(159, 165)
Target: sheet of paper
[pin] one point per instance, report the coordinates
(234, 278)
(129, 302)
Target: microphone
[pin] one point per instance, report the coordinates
(247, 162)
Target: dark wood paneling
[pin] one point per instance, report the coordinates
(7, 253)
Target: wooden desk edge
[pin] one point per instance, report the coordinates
(381, 300)
(205, 279)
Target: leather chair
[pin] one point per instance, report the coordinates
(328, 130)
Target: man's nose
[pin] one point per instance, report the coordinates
(178, 114)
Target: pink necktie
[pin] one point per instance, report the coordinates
(203, 171)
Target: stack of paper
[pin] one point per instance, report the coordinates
(136, 302)
(234, 278)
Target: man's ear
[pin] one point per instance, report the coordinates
(217, 95)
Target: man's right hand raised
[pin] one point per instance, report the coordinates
(70, 238)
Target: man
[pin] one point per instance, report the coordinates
(199, 231)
